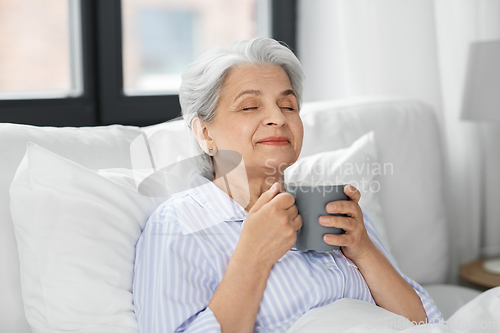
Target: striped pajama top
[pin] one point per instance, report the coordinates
(183, 253)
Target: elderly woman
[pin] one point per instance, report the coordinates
(218, 256)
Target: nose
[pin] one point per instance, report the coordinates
(274, 117)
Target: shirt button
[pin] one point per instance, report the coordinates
(327, 265)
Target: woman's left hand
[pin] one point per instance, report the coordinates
(355, 243)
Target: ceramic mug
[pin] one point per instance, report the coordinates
(311, 201)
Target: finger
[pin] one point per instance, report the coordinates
(339, 240)
(266, 197)
(297, 222)
(293, 211)
(342, 222)
(352, 193)
(350, 208)
(285, 200)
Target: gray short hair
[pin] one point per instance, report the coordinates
(202, 81)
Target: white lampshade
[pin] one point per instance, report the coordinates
(482, 86)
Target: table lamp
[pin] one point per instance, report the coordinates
(482, 84)
(481, 99)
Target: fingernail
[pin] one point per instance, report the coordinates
(323, 219)
(331, 206)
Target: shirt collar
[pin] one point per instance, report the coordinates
(218, 202)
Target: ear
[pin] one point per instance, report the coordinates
(202, 134)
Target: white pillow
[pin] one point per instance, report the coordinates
(356, 165)
(170, 142)
(76, 231)
(479, 315)
(349, 315)
(93, 147)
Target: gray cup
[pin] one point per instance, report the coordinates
(311, 201)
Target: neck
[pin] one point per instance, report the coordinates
(245, 188)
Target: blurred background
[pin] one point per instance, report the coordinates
(90, 62)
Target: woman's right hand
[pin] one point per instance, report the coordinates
(270, 229)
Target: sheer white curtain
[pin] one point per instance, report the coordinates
(417, 49)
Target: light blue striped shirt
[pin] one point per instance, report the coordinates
(183, 253)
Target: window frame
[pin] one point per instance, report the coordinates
(103, 101)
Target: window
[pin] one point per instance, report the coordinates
(97, 62)
(44, 61)
(161, 38)
(163, 46)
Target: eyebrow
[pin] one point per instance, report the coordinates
(288, 92)
(247, 92)
(257, 92)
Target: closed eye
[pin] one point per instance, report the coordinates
(250, 108)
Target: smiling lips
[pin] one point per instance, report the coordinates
(275, 141)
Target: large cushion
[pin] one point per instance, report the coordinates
(411, 188)
(92, 147)
(76, 231)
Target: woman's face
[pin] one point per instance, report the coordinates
(257, 116)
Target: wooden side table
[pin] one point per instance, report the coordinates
(474, 273)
